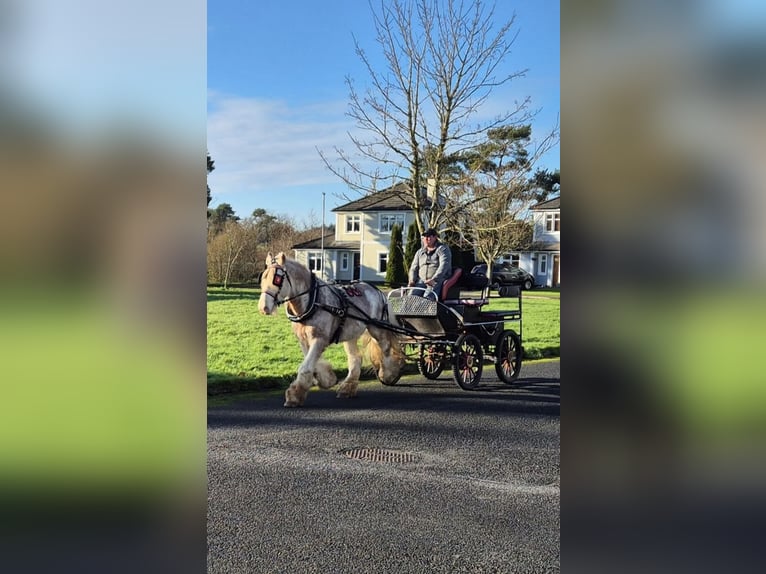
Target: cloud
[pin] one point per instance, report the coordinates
(263, 145)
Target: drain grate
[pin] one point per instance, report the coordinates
(379, 455)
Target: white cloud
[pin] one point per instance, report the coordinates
(263, 145)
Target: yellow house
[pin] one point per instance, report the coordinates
(358, 250)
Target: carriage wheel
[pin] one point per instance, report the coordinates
(467, 361)
(431, 361)
(508, 353)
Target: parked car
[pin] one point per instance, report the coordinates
(503, 274)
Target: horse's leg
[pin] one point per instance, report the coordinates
(323, 372)
(348, 387)
(389, 369)
(296, 393)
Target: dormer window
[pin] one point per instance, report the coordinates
(552, 222)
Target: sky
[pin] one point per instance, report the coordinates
(277, 94)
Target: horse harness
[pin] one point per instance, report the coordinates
(341, 293)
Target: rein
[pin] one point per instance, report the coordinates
(311, 308)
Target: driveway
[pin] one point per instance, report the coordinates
(421, 477)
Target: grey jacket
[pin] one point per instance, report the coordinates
(437, 266)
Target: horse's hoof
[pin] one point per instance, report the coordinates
(347, 390)
(294, 396)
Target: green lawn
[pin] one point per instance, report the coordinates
(246, 350)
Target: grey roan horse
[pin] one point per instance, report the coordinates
(323, 314)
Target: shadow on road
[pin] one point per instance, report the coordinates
(386, 408)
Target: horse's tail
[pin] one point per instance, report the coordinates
(373, 349)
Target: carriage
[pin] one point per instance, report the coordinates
(435, 331)
(454, 332)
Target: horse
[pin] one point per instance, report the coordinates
(324, 314)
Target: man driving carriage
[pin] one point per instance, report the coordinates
(431, 266)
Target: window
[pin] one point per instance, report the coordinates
(382, 262)
(388, 220)
(315, 260)
(552, 222)
(543, 264)
(344, 261)
(511, 259)
(353, 223)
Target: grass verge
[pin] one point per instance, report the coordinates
(247, 351)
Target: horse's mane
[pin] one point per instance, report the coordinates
(296, 269)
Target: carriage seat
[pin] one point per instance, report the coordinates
(450, 288)
(451, 292)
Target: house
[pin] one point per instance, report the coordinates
(543, 259)
(545, 251)
(358, 249)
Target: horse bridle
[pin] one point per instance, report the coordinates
(278, 280)
(280, 274)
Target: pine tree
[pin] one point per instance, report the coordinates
(395, 273)
(413, 244)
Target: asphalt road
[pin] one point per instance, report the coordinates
(455, 481)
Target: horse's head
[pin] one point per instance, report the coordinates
(273, 282)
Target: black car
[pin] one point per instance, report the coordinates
(503, 274)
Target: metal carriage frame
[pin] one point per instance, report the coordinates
(458, 334)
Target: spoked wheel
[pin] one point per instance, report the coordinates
(467, 361)
(508, 353)
(431, 361)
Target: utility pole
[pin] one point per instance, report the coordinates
(323, 275)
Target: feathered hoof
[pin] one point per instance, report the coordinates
(326, 379)
(346, 391)
(294, 396)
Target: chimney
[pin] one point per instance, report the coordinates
(431, 190)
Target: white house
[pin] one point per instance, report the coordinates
(543, 259)
(545, 252)
(358, 250)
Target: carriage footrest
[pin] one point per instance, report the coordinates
(501, 315)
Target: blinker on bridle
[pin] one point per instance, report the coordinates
(279, 277)
(279, 273)
(277, 280)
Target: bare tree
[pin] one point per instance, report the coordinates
(223, 252)
(236, 252)
(443, 59)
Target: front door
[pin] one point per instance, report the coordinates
(356, 267)
(556, 280)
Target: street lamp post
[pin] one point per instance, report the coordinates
(322, 256)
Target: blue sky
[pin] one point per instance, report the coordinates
(277, 92)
